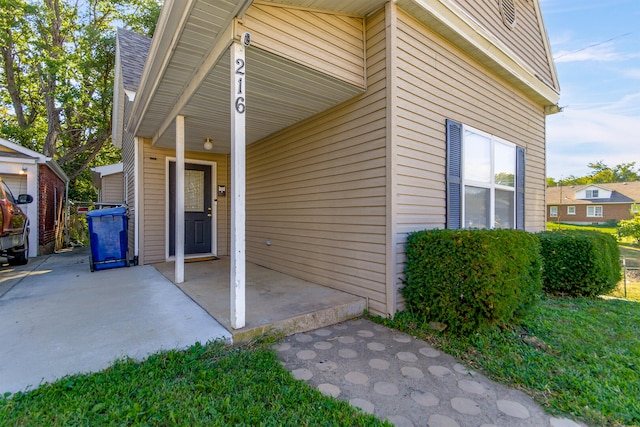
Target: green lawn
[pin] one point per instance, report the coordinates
(574, 356)
(562, 226)
(213, 385)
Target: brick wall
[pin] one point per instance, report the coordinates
(51, 196)
(609, 212)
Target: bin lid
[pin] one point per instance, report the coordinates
(119, 211)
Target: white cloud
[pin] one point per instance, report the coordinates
(604, 52)
(578, 137)
(628, 105)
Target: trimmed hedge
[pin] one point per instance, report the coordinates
(579, 262)
(471, 279)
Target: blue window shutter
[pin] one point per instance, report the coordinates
(520, 188)
(454, 174)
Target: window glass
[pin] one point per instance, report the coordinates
(505, 209)
(594, 211)
(505, 166)
(8, 194)
(553, 211)
(477, 157)
(193, 190)
(477, 204)
(571, 210)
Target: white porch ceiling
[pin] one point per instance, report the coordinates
(279, 92)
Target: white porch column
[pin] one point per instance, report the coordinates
(179, 211)
(238, 186)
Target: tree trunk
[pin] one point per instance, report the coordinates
(51, 77)
(9, 72)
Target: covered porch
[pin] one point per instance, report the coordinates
(275, 302)
(221, 76)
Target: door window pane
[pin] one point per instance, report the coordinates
(477, 157)
(193, 191)
(505, 165)
(476, 207)
(504, 215)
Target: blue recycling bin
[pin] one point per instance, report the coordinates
(108, 238)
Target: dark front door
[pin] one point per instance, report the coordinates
(197, 208)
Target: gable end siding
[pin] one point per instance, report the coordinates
(525, 38)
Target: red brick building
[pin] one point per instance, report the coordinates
(592, 204)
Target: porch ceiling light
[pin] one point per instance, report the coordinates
(208, 144)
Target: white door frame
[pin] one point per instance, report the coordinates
(214, 208)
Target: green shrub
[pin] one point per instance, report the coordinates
(471, 279)
(630, 228)
(579, 262)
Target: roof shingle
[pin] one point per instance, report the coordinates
(134, 49)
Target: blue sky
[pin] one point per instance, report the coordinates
(596, 46)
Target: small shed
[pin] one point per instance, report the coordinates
(30, 172)
(109, 181)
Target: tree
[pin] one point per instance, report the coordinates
(57, 59)
(601, 174)
(630, 227)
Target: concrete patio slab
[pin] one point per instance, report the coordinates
(61, 319)
(275, 302)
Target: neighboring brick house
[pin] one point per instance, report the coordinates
(28, 172)
(592, 204)
(52, 190)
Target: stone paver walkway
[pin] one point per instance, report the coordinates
(404, 380)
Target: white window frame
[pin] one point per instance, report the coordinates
(492, 186)
(571, 210)
(595, 211)
(553, 211)
(592, 194)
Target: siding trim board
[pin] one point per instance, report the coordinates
(391, 280)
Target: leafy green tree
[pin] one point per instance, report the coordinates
(601, 174)
(630, 227)
(57, 60)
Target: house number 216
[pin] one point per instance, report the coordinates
(240, 102)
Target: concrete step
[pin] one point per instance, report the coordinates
(305, 321)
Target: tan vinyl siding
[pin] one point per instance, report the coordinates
(436, 81)
(112, 188)
(128, 171)
(154, 161)
(330, 43)
(317, 192)
(525, 38)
